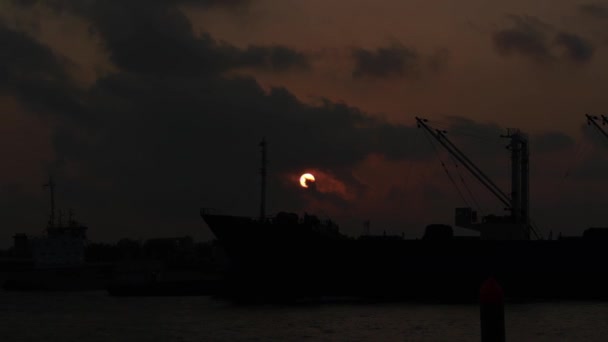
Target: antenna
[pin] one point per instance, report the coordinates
(263, 145)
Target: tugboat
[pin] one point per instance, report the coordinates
(56, 261)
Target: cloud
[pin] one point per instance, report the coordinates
(480, 139)
(170, 130)
(161, 40)
(23, 58)
(438, 59)
(483, 139)
(85, 5)
(156, 37)
(551, 142)
(594, 10)
(16, 205)
(273, 58)
(216, 3)
(35, 75)
(531, 38)
(395, 60)
(172, 144)
(577, 49)
(593, 167)
(527, 37)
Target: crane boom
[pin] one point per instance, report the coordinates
(592, 120)
(468, 164)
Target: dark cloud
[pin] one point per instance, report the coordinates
(274, 58)
(485, 144)
(396, 60)
(527, 37)
(480, 139)
(82, 6)
(588, 162)
(593, 167)
(216, 3)
(484, 140)
(156, 37)
(166, 147)
(160, 40)
(22, 209)
(595, 10)
(34, 74)
(438, 60)
(24, 59)
(551, 142)
(531, 38)
(577, 49)
(169, 130)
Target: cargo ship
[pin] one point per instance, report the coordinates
(287, 256)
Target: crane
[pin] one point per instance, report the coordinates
(593, 119)
(517, 203)
(464, 160)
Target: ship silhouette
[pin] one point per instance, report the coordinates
(55, 261)
(291, 257)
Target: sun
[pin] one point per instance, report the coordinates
(305, 178)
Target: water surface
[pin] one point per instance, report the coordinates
(95, 316)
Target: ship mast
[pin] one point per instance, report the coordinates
(263, 182)
(51, 185)
(520, 169)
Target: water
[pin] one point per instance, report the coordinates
(95, 316)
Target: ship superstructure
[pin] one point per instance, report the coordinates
(63, 243)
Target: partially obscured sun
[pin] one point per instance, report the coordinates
(305, 178)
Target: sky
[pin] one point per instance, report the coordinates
(146, 111)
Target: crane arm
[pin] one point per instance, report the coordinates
(591, 120)
(469, 165)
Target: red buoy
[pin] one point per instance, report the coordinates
(491, 292)
(492, 311)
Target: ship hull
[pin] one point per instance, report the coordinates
(290, 260)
